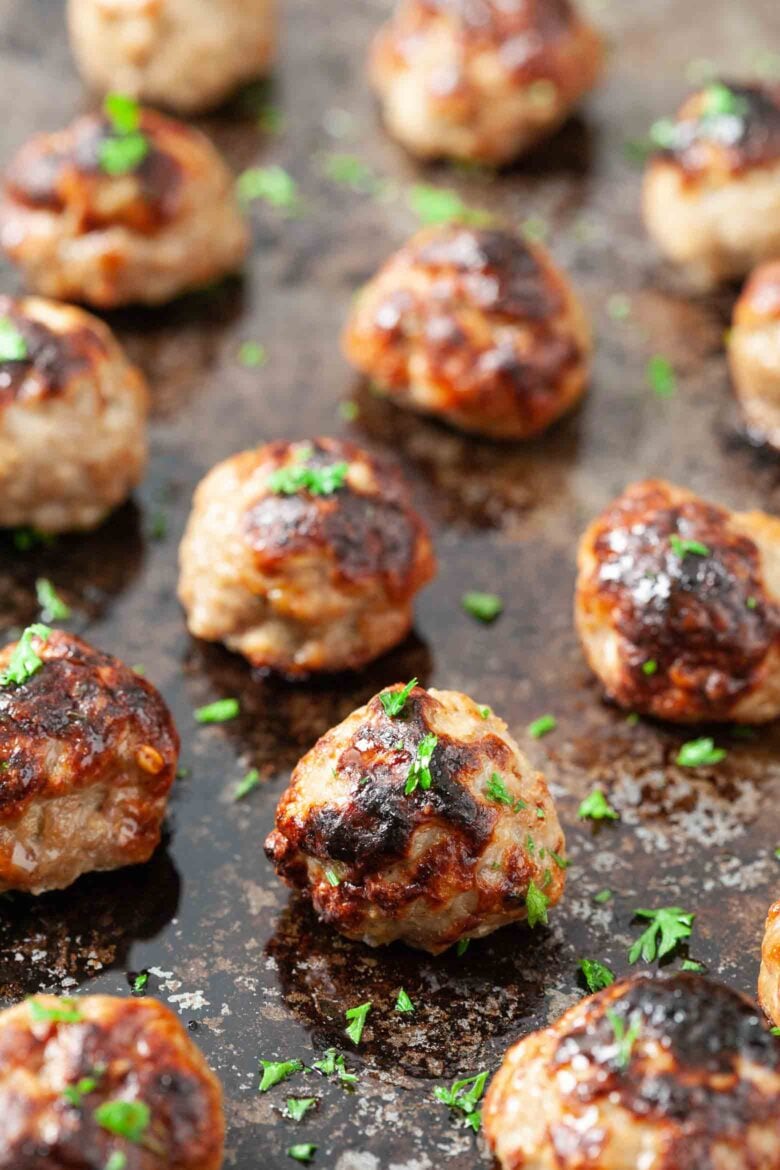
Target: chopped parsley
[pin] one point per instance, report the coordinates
(127, 1119)
(304, 1152)
(66, 1012)
(126, 147)
(668, 926)
(536, 903)
(434, 205)
(693, 965)
(497, 791)
(332, 877)
(13, 347)
(276, 1071)
(220, 711)
(603, 896)
(681, 547)
(348, 170)
(597, 975)
(561, 862)
(462, 947)
(247, 784)
(596, 807)
(649, 666)
(777, 852)
(252, 354)
(403, 1003)
(420, 771)
(117, 1161)
(24, 660)
(661, 376)
(775, 1031)
(463, 1097)
(75, 1094)
(485, 607)
(697, 752)
(271, 184)
(356, 1021)
(333, 1064)
(298, 1107)
(395, 701)
(140, 982)
(625, 1038)
(53, 608)
(484, 712)
(318, 481)
(542, 726)
(719, 101)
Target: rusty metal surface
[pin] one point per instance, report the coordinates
(254, 975)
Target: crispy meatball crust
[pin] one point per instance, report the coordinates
(698, 1088)
(81, 234)
(754, 352)
(769, 977)
(72, 419)
(475, 326)
(135, 1051)
(712, 198)
(301, 583)
(682, 637)
(186, 55)
(431, 867)
(89, 753)
(481, 80)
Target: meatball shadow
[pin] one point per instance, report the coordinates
(465, 1007)
(569, 151)
(77, 933)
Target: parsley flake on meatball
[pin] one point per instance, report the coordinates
(121, 207)
(475, 326)
(89, 753)
(649, 1074)
(304, 557)
(677, 606)
(481, 80)
(72, 418)
(419, 819)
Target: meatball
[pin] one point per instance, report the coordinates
(769, 978)
(754, 353)
(712, 193)
(89, 753)
(475, 326)
(110, 215)
(482, 80)
(303, 557)
(185, 55)
(418, 818)
(98, 1082)
(72, 417)
(677, 606)
(650, 1073)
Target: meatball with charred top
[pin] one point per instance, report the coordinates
(304, 557)
(72, 417)
(418, 818)
(126, 206)
(475, 326)
(657, 1074)
(481, 80)
(100, 1082)
(769, 978)
(89, 753)
(754, 353)
(712, 190)
(678, 606)
(186, 55)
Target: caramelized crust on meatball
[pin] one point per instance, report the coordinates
(769, 978)
(481, 79)
(98, 1081)
(677, 606)
(662, 1074)
(754, 352)
(304, 578)
(475, 326)
(186, 55)
(80, 231)
(712, 194)
(450, 855)
(89, 753)
(72, 418)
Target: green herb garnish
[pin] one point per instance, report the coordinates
(403, 1003)
(668, 927)
(484, 712)
(318, 481)
(252, 354)
(434, 205)
(420, 771)
(649, 667)
(218, 712)
(719, 101)
(298, 1107)
(304, 1152)
(395, 701)
(596, 807)
(127, 1119)
(140, 982)
(53, 608)
(496, 790)
(75, 1094)
(603, 896)
(485, 607)
(536, 903)
(661, 376)
(333, 1064)
(117, 1161)
(462, 946)
(247, 784)
(13, 347)
(542, 726)
(276, 1071)
(356, 1021)
(271, 184)
(66, 1012)
(625, 1038)
(24, 660)
(127, 147)
(597, 975)
(698, 752)
(681, 547)
(332, 877)
(464, 1096)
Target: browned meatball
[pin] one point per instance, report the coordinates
(428, 825)
(769, 978)
(88, 751)
(72, 417)
(712, 194)
(481, 79)
(304, 557)
(677, 606)
(475, 326)
(90, 217)
(650, 1074)
(754, 352)
(98, 1083)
